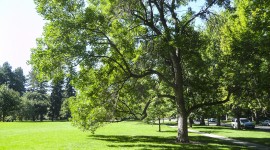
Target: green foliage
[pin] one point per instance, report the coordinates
(34, 105)
(13, 79)
(245, 42)
(65, 110)
(160, 109)
(9, 101)
(86, 115)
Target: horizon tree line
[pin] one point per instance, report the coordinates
(26, 98)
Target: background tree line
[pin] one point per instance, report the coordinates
(25, 98)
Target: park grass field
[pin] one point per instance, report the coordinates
(121, 135)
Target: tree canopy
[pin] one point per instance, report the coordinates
(129, 53)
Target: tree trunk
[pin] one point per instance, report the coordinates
(238, 122)
(190, 121)
(218, 120)
(159, 128)
(202, 122)
(4, 116)
(182, 133)
(256, 118)
(41, 117)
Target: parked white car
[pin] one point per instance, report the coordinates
(265, 123)
(244, 123)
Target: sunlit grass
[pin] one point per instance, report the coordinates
(122, 135)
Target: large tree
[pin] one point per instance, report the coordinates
(120, 43)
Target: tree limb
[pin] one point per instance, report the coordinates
(203, 11)
(160, 8)
(210, 103)
(144, 113)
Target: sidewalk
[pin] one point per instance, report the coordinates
(248, 144)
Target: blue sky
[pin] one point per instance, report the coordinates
(20, 25)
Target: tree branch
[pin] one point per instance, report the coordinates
(210, 103)
(174, 15)
(160, 8)
(203, 11)
(151, 72)
(147, 23)
(129, 109)
(144, 113)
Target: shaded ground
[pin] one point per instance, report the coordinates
(158, 142)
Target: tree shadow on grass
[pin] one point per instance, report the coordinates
(158, 142)
(167, 131)
(261, 141)
(212, 127)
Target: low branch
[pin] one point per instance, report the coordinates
(210, 103)
(144, 113)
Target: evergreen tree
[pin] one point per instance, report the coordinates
(13, 79)
(7, 75)
(56, 99)
(19, 80)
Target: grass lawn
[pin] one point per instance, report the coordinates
(254, 136)
(122, 135)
